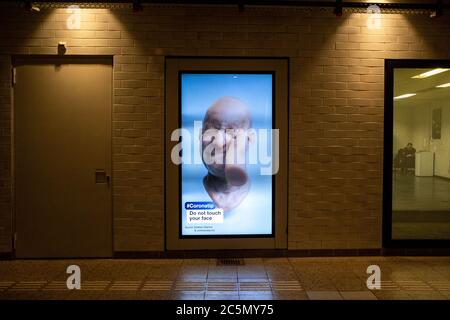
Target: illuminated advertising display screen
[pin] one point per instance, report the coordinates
(226, 174)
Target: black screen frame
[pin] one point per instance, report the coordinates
(180, 184)
(281, 66)
(387, 240)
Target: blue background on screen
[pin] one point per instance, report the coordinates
(198, 93)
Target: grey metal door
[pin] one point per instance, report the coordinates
(62, 157)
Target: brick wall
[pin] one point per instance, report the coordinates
(336, 105)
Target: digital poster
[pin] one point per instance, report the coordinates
(226, 119)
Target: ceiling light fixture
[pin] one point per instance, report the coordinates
(241, 6)
(404, 96)
(438, 10)
(430, 73)
(444, 85)
(338, 8)
(31, 7)
(137, 6)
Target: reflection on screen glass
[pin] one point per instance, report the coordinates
(227, 121)
(421, 148)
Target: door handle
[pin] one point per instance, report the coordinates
(101, 177)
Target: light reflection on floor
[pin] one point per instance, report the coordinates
(421, 207)
(274, 278)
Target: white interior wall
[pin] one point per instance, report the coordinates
(412, 123)
(441, 148)
(403, 124)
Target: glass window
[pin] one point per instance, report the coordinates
(421, 153)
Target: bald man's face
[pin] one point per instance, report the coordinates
(225, 126)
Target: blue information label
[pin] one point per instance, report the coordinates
(199, 205)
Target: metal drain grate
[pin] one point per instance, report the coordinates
(230, 262)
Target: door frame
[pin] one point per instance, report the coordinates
(389, 66)
(279, 66)
(27, 59)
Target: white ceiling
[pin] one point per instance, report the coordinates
(424, 88)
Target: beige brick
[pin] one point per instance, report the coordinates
(133, 83)
(75, 34)
(133, 133)
(43, 50)
(139, 67)
(107, 51)
(79, 50)
(120, 43)
(336, 105)
(147, 92)
(107, 34)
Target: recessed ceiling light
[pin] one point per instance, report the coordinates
(445, 85)
(404, 96)
(430, 73)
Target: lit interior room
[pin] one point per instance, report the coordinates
(421, 166)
